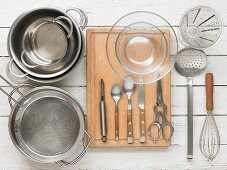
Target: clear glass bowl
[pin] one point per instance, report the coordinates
(200, 27)
(143, 45)
(141, 48)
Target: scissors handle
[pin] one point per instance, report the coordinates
(154, 134)
(165, 126)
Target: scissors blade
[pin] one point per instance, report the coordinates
(159, 92)
(141, 96)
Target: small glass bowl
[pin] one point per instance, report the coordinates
(143, 45)
(141, 48)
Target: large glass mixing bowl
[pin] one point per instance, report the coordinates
(143, 45)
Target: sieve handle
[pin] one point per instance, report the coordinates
(6, 93)
(16, 89)
(86, 143)
(209, 81)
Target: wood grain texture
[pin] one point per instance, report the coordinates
(209, 80)
(98, 68)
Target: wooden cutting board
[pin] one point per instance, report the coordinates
(98, 67)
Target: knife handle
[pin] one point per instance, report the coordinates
(142, 138)
(129, 123)
(209, 81)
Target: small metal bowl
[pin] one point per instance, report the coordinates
(17, 75)
(17, 34)
(46, 42)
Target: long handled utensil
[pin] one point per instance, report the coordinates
(209, 142)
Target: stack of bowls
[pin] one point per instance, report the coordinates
(45, 44)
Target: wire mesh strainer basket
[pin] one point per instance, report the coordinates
(47, 125)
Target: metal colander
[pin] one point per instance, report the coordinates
(51, 129)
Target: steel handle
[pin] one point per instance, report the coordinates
(6, 93)
(190, 118)
(83, 16)
(24, 54)
(142, 138)
(165, 128)
(116, 122)
(153, 130)
(129, 122)
(68, 21)
(86, 143)
(103, 121)
(10, 98)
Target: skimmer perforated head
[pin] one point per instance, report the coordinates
(190, 62)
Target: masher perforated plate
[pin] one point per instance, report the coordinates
(200, 27)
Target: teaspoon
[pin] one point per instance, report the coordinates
(129, 87)
(116, 93)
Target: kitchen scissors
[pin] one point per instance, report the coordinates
(165, 127)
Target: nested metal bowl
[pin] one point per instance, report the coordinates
(18, 33)
(17, 75)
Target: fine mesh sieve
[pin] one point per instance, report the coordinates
(47, 124)
(53, 133)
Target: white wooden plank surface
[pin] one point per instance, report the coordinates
(105, 13)
(217, 49)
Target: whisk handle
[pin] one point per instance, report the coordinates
(209, 80)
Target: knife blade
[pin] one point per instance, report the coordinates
(142, 138)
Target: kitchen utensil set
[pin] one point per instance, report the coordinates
(45, 44)
(160, 110)
(199, 28)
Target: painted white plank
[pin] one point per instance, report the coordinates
(104, 12)
(125, 157)
(178, 100)
(216, 65)
(219, 48)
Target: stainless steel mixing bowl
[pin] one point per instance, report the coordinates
(19, 76)
(18, 31)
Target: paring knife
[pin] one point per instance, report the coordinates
(142, 138)
(103, 113)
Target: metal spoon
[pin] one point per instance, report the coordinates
(190, 63)
(129, 87)
(116, 93)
